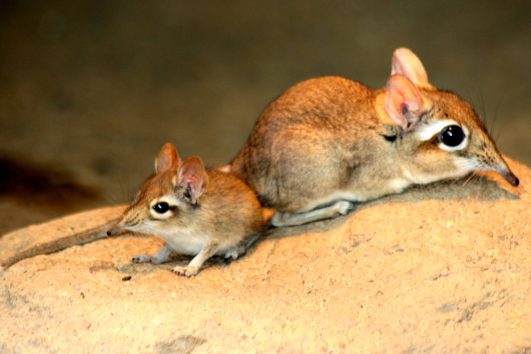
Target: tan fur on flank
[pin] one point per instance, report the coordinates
(331, 140)
(211, 212)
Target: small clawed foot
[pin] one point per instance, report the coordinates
(344, 207)
(279, 219)
(187, 271)
(234, 253)
(142, 258)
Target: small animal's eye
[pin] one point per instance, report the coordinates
(161, 207)
(452, 135)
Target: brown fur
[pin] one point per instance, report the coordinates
(223, 216)
(328, 135)
(302, 146)
(227, 209)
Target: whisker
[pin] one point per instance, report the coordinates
(470, 177)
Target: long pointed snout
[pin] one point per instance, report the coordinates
(509, 176)
(499, 165)
(114, 231)
(117, 229)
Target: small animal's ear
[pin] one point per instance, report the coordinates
(403, 102)
(168, 159)
(406, 63)
(193, 177)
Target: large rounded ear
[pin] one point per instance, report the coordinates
(406, 63)
(193, 177)
(168, 159)
(403, 102)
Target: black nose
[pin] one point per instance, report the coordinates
(109, 233)
(511, 178)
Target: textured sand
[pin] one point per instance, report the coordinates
(444, 269)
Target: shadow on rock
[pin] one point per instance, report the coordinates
(484, 186)
(42, 186)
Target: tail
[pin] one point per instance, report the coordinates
(80, 238)
(225, 168)
(235, 167)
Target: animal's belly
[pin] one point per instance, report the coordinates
(395, 185)
(186, 244)
(190, 244)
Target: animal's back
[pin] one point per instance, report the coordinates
(230, 203)
(309, 121)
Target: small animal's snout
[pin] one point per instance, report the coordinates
(510, 177)
(501, 166)
(115, 230)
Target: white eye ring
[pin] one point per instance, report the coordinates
(163, 208)
(425, 132)
(461, 146)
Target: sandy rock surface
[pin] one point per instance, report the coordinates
(443, 268)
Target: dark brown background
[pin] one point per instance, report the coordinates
(90, 90)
